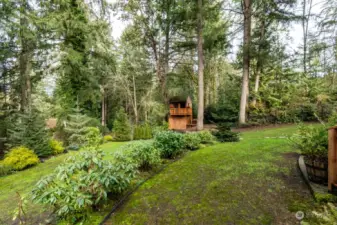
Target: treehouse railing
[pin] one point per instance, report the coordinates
(332, 159)
(181, 111)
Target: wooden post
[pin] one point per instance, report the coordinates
(332, 158)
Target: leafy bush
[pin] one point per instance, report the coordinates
(20, 158)
(121, 126)
(5, 169)
(206, 137)
(169, 143)
(107, 138)
(312, 141)
(142, 132)
(30, 130)
(56, 146)
(162, 127)
(142, 153)
(82, 184)
(192, 141)
(224, 133)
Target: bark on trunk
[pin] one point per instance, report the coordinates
(246, 60)
(103, 108)
(200, 121)
(135, 110)
(259, 65)
(25, 59)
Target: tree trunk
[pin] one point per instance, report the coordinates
(103, 108)
(256, 87)
(246, 60)
(135, 99)
(305, 25)
(25, 59)
(259, 65)
(200, 121)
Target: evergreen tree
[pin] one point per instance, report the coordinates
(29, 130)
(75, 127)
(121, 126)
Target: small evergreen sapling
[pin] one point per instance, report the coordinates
(121, 126)
(75, 127)
(224, 133)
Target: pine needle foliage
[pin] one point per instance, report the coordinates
(121, 126)
(75, 127)
(29, 130)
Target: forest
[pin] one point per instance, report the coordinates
(233, 58)
(75, 74)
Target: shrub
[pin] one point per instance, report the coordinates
(224, 133)
(206, 137)
(312, 141)
(56, 146)
(169, 143)
(192, 141)
(91, 138)
(29, 130)
(142, 132)
(107, 138)
(142, 153)
(121, 126)
(20, 158)
(82, 184)
(162, 127)
(5, 169)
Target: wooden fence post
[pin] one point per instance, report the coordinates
(332, 158)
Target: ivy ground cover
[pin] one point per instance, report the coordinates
(255, 181)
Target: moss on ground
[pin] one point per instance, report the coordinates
(255, 181)
(24, 181)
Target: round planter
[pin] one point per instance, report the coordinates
(317, 170)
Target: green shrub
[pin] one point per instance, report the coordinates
(91, 138)
(82, 184)
(56, 146)
(312, 141)
(169, 143)
(162, 127)
(5, 169)
(20, 158)
(224, 133)
(206, 137)
(29, 130)
(192, 141)
(107, 138)
(142, 153)
(142, 132)
(121, 126)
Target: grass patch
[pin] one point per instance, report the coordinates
(24, 181)
(254, 181)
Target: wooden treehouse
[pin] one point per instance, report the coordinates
(181, 115)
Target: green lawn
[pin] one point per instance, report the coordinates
(255, 181)
(24, 181)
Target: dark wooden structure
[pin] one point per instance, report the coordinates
(332, 160)
(181, 115)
